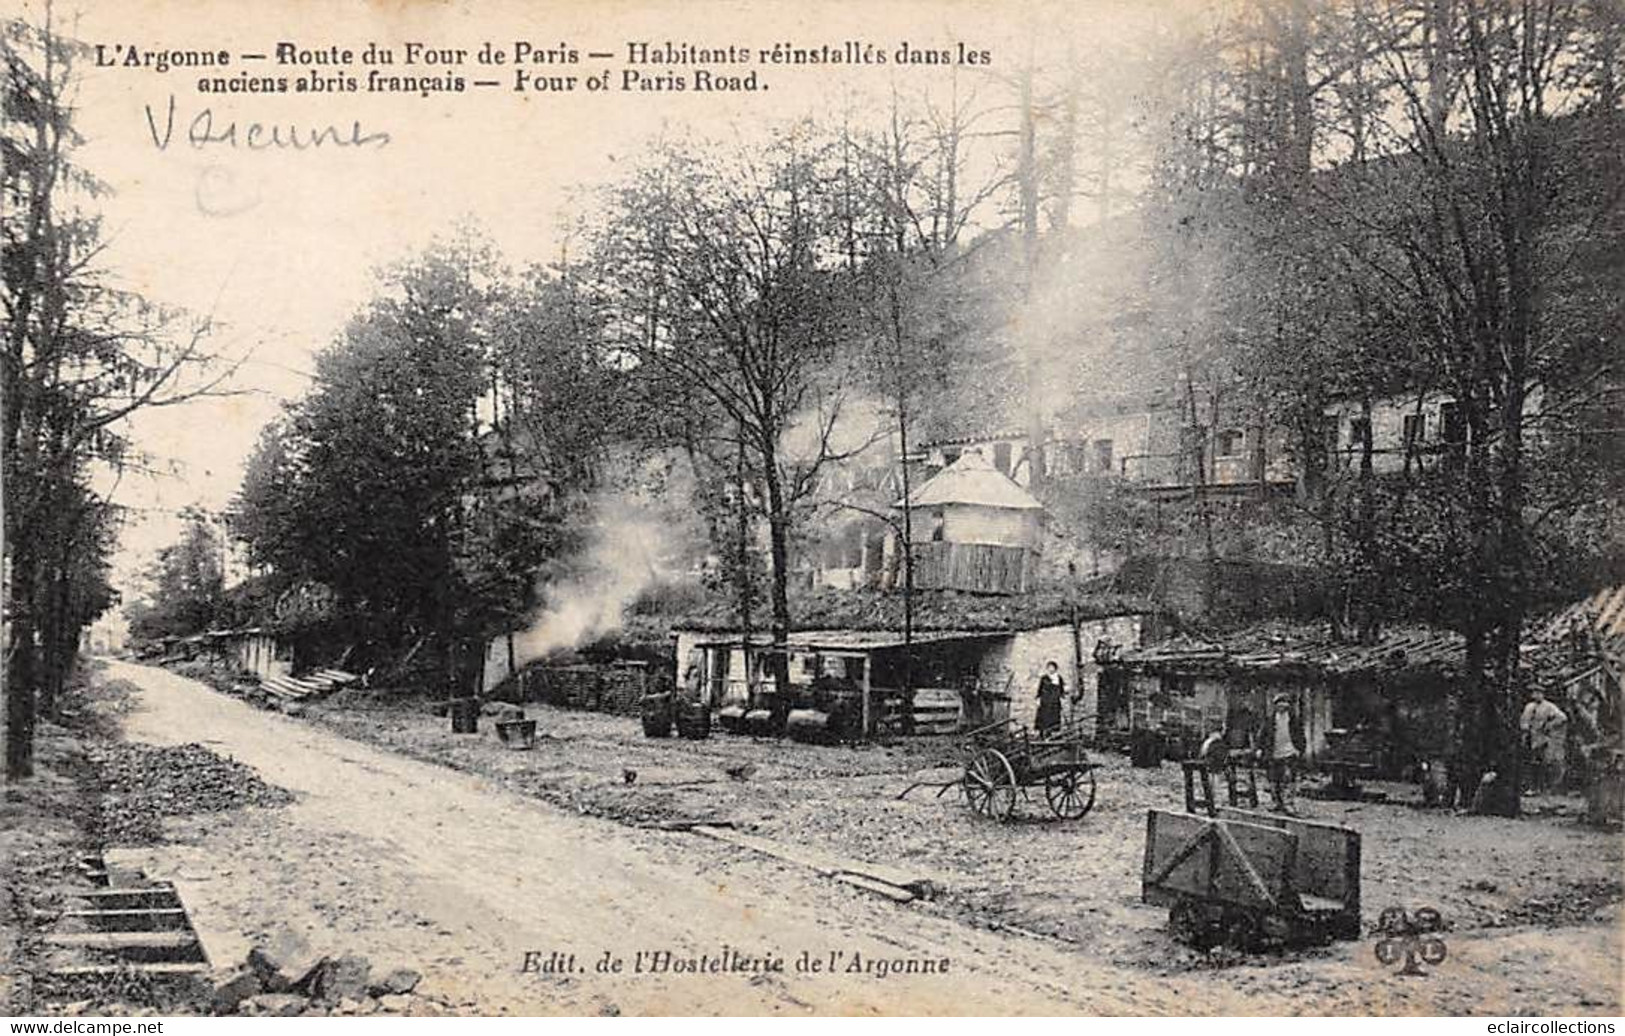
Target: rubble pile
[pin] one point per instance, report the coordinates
(287, 978)
(140, 784)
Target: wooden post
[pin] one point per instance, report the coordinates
(868, 682)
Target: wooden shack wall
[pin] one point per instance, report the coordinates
(1188, 707)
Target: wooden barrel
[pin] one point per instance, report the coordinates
(1605, 799)
(656, 712)
(465, 715)
(693, 720)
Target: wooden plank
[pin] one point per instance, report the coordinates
(1187, 849)
(1328, 858)
(1269, 892)
(155, 969)
(1245, 864)
(881, 888)
(1257, 866)
(824, 864)
(123, 940)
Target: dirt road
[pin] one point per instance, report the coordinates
(416, 864)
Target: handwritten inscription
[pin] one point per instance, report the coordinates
(205, 130)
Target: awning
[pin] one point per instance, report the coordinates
(811, 641)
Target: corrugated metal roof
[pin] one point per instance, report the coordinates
(1273, 649)
(972, 480)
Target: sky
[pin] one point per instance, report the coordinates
(280, 246)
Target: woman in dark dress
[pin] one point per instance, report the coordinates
(1050, 690)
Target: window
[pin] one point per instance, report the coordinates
(1359, 433)
(1103, 456)
(1231, 441)
(1453, 430)
(1413, 431)
(1452, 423)
(1194, 446)
(1001, 457)
(1077, 457)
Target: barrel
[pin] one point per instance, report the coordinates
(732, 718)
(465, 716)
(656, 712)
(808, 725)
(694, 720)
(1145, 749)
(518, 733)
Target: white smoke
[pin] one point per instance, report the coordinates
(623, 558)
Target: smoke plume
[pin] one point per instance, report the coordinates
(623, 557)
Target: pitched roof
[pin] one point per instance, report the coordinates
(935, 611)
(1602, 615)
(1298, 650)
(855, 640)
(972, 480)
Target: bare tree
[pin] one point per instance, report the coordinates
(716, 265)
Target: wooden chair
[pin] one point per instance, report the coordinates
(1198, 786)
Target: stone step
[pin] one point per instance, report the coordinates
(122, 940)
(158, 898)
(129, 920)
(153, 969)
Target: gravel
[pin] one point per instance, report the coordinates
(141, 784)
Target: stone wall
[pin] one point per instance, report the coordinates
(1024, 655)
(593, 688)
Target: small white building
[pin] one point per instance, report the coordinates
(971, 501)
(974, 529)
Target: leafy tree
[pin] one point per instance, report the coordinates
(187, 585)
(425, 480)
(79, 357)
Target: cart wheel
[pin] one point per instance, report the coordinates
(990, 785)
(1070, 794)
(1188, 924)
(1243, 932)
(977, 784)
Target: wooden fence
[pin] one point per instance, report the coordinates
(973, 567)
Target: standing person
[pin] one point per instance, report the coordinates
(1282, 744)
(1545, 736)
(1051, 688)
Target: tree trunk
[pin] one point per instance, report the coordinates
(1027, 173)
(908, 562)
(21, 671)
(778, 528)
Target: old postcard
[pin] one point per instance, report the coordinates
(751, 508)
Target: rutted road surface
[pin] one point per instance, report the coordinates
(418, 865)
(412, 863)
